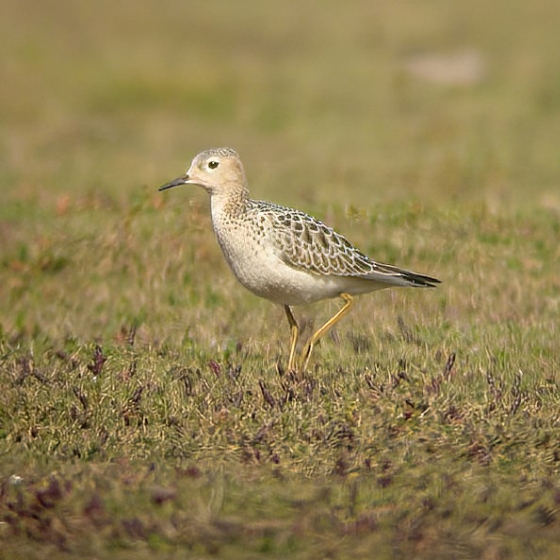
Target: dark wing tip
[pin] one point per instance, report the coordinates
(422, 281)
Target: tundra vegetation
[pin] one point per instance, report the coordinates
(145, 407)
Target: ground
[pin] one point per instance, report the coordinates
(145, 409)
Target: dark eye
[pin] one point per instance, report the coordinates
(213, 164)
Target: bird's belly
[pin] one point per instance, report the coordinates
(261, 271)
(283, 284)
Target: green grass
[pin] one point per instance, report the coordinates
(144, 406)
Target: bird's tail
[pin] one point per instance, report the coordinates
(389, 274)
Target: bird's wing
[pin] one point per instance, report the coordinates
(306, 243)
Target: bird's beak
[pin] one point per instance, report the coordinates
(175, 183)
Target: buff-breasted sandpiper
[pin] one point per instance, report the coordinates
(285, 255)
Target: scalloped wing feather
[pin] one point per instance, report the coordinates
(306, 243)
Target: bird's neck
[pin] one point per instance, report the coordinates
(234, 203)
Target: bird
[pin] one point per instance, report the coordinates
(285, 255)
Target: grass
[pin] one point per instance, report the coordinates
(145, 410)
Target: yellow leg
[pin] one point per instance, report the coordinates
(305, 355)
(293, 337)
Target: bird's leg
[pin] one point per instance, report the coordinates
(293, 337)
(307, 349)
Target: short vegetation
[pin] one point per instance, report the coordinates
(145, 406)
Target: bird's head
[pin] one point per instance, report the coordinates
(217, 170)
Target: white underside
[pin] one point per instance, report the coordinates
(274, 280)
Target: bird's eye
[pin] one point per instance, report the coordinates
(213, 164)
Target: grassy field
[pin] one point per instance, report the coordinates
(145, 410)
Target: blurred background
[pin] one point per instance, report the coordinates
(427, 132)
(419, 129)
(442, 102)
